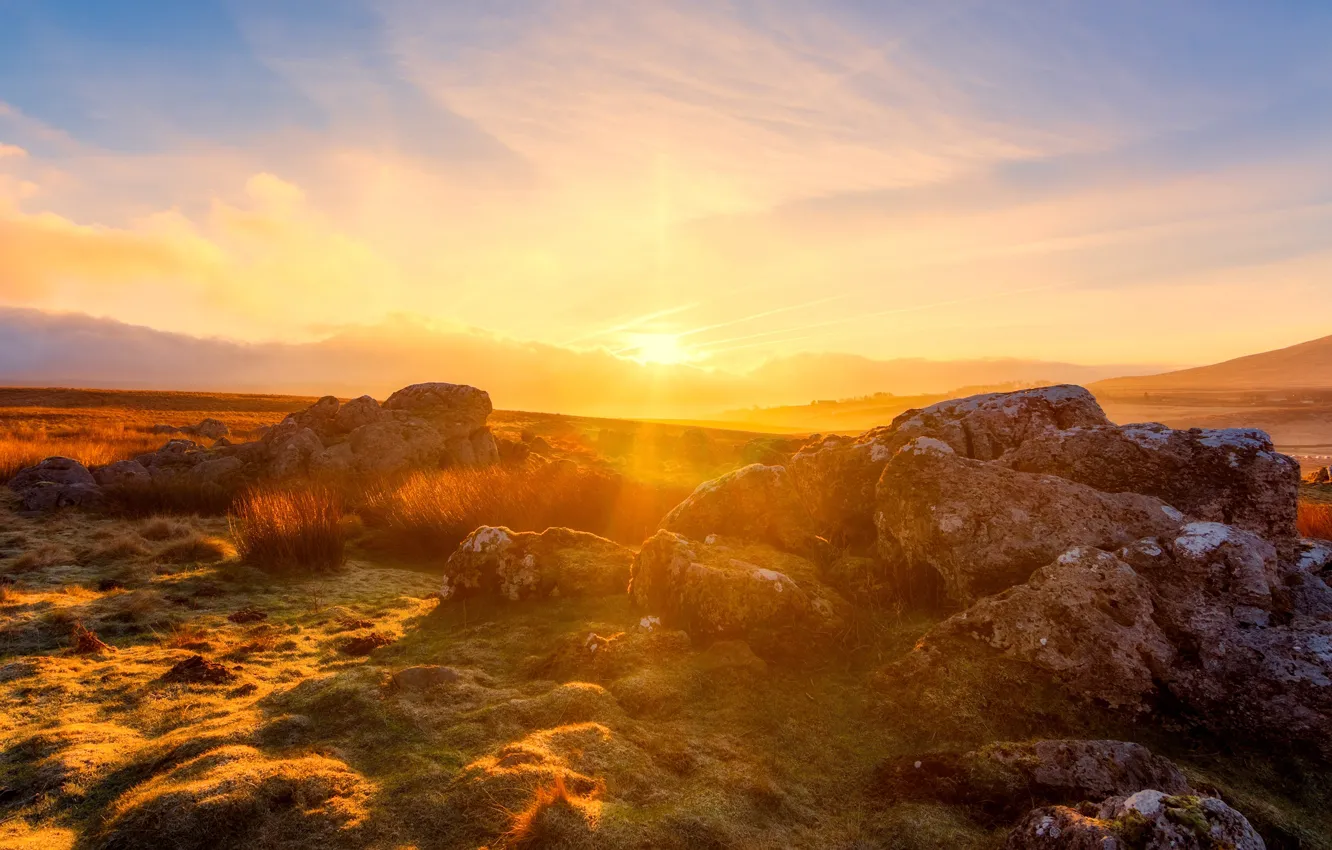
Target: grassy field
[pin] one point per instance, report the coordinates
(298, 732)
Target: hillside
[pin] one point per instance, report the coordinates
(1304, 366)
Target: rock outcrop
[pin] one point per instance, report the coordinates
(1004, 780)
(1146, 820)
(1232, 476)
(757, 503)
(717, 588)
(983, 527)
(526, 565)
(56, 482)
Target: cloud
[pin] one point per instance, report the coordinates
(11, 151)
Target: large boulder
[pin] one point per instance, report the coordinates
(1146, 820)
(456, 410)
(1086, 619)
(727, 589)
(54, 470)
(1232, 476)
(175, 458)
(56, 482)
(291, 456)
(358, 412)
(211, 429)
(838, 475)
(983, 528)
(526, 565)
(122, 473)
(1003, 780)
(756, 502)
(395, 444)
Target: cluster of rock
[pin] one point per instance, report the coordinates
(1139, 567)
(208, 429)
(1099, 795)
(420, 426)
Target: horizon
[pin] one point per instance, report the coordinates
(632, 194)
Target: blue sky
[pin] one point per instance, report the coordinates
(718, 183)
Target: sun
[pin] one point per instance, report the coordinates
(658, 348)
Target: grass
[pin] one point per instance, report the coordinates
(290, 530)
(1315, 520)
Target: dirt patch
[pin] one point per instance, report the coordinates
(364, 644)
(199, 670)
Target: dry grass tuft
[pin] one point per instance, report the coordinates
(45, 555)
(195, 549)
(162, 528)
(189, 635)
(290, 530)
(124, 547)
(84, 642)
(555, 818)
(1315, 520)
(431, 512)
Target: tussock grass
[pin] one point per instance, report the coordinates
(1315, 520)
(194, 549)
(165, 528)
(431, 512)
(290, 530)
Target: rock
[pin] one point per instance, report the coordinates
(175, 458)
(485, 451)
(1086, 619)
(512, 452)
(393, 445)
(357, 413)
(753, 592)
(1232, 476)
(56, 482)
(526, 565)
(291, 456)
(164, 429)
(983, 528)
(1004, 780)
(424, 677)
(211, 429)
(332, 461)
(1146, 820)
(1246, 664)
(539, 446)
(838, 475)
(281, 431)
(1321, 476)
(757, 503)
(455, 410)
(53, 470)
(217, 470)
(363, 644)
(122, 473)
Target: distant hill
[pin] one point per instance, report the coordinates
(1305, 366)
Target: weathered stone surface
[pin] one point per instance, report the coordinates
(53, 470)
(757, 503)
(485, 451)
(1322, 475)
(175, 458)
(838, 475)
(291, 456)
(211, 429)
(720, 589)
(984, 528)
(1146, 820)
(56, 482)
(392, 445)
(1232, 476)
(526, 565)
(456, 410)
(122, 473)
(1086, 619)
(1006, 779)
(357, 413)
(216, 470)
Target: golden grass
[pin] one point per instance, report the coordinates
(1315, 520)
(290, 530)
(195, 548)
(432, 512)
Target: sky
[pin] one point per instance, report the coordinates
(701, 185)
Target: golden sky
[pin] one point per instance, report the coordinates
(678, 182)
